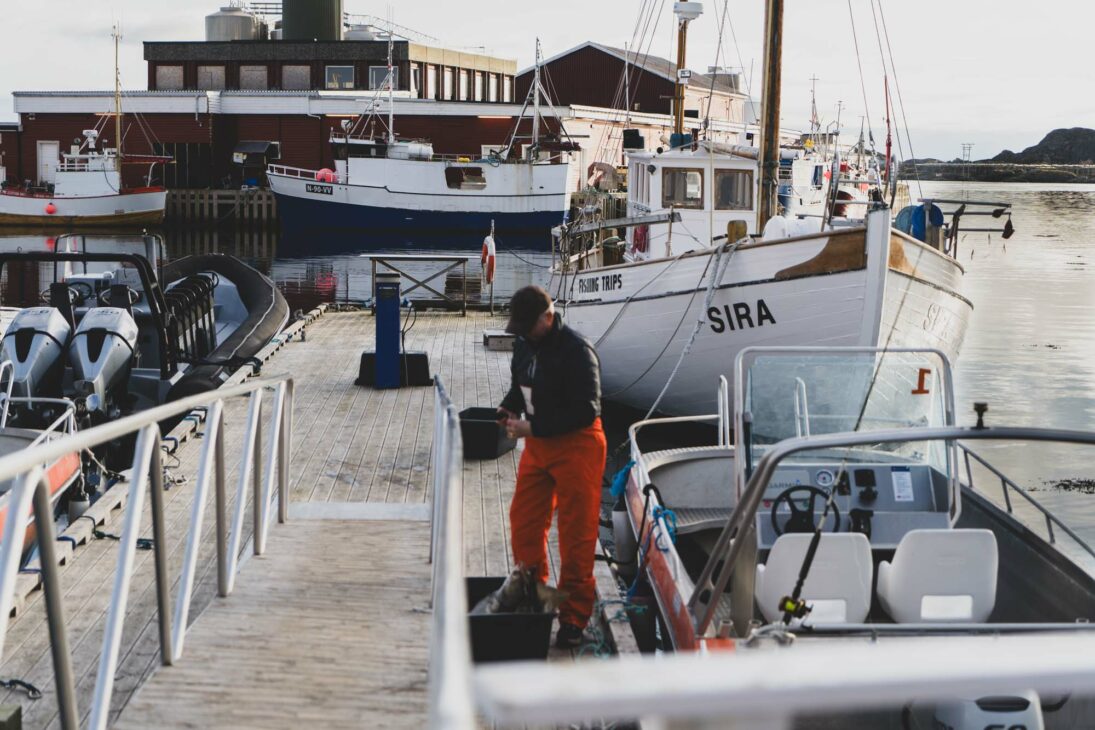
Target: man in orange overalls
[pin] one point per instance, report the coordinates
(557, 385)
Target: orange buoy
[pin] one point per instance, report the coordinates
(51, 209)
(325, 175)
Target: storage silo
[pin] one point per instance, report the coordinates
(305, 20)
(230, 24)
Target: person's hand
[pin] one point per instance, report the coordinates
(505, 415)
(518, 429)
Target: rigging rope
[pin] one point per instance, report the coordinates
(900, 100)
(862, 82)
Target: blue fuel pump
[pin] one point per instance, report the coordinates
(388, 347)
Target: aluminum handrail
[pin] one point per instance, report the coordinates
(633, 434)
(7, 367)
(738, 530)
(450, 667)
(1006, 484)
(31, 488)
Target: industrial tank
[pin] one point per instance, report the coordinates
(230, 24)
(305, 20)
(359, 33)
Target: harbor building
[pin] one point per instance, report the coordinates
(258, 90)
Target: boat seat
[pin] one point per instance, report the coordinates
(838, 585)
(940, 576)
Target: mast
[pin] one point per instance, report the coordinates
(117, 104)
(536, 104)
(391, 85)
(769, 130)
(686, 12)
(627, 86)
(889, 138)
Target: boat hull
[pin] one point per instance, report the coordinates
(137, 208)
(817, 290)
(386, 197)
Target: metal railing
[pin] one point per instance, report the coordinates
(450, 668)
(1007, 486)
(31, 492)
(721, 420)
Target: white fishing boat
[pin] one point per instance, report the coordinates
(670, 309)
(387, 185)
(85, 186)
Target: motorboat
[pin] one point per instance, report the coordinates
(114, 329)
(843, 504)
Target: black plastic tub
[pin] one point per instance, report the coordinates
(483, 437)
(505, 637)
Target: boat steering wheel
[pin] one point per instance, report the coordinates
(802, 519)
(132, 295)
(78, 293)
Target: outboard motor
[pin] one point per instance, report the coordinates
(1021, 711)
(101, 354)
(35, 343)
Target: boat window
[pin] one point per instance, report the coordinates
(254, 78)
(377, 76)
(169, 77)
(431, 82)
(340, 77)
(733, 190)
(507, 89)
(492, 86)
(682, 188)
(416, 80)
(211, 78)
(465, 178)
(478, 86)
(446, 85)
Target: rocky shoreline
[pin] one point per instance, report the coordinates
(996, 172)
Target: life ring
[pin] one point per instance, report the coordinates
(640, 239)
(487, 259)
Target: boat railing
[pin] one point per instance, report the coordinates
(31, 490)
(721, 419)
(450, 667)
(1008, 487)
(301, 173)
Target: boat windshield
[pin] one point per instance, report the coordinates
(785, 393)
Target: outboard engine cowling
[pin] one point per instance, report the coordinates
(34, 343)
(101, 354)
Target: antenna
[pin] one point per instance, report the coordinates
(967, 151)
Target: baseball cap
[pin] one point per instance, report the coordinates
(525, 308)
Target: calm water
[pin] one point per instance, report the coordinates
(1029, 351)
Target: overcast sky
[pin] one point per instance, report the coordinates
(997, 74)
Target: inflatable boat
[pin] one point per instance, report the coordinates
(114, 332)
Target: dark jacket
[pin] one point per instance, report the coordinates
(565, 376)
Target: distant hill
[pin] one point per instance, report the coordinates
(1063, 156)
(1074, 146)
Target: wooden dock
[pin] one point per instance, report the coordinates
(327, 628)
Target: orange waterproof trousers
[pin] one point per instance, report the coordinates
(565, 472)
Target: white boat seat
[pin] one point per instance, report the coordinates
(838, 585)
(940, 576)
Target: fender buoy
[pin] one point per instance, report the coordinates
(487, 259)
(325, 175)
(640, 239)
(51, 209)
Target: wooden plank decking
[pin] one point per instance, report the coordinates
(288, 627)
